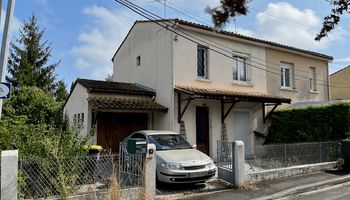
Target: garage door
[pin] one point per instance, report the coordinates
(241, 127)
(112, 128)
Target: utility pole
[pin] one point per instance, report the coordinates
(5, 43)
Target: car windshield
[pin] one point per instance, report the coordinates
(169, 142)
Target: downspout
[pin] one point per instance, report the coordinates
(328, 85)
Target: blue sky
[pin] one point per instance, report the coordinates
(86, 33)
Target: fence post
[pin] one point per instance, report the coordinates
(285, 155)
(238, 163)
(320, 147)
(9, 172)
(150, 172)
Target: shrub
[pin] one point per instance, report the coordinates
(310, 124)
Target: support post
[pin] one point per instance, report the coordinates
(150, 172)
(9, 173)
(238, 163)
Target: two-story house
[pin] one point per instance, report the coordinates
(340, 84)
(210, 85)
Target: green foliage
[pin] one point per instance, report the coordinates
(36, 105)
(310, 124)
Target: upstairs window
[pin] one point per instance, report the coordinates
(240, 69)
(202, 62)
(286, 75)
(313, 80)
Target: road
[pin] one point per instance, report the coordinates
(337, 192)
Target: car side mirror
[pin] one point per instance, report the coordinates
(194, 146)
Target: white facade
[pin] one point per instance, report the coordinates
(160, 59)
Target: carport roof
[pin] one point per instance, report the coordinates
(118, 104)
(226, 94)
(115, 87)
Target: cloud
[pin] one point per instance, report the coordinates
(15, 26)
(98, 42)
(283, 23)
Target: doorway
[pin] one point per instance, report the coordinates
(202, 129)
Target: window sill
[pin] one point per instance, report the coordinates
(241, 83)
(203, 80)
(314, 92)
(288, 89)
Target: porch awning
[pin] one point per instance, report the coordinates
(124, 104)
(214, 93)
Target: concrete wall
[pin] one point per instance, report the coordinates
(340, 84)
(77, 104)
(301, 64)
(288, 171)
(154, 45)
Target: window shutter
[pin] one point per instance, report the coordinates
(249, 71)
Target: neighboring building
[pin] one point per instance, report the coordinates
(340, 84)
(216, 85)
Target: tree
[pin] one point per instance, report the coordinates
(331, 21)
(232, 8)
(109, 78)
(29, 57)
(61, 93)
(227, 9)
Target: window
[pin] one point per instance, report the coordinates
(240, 69)
(313, 80)
(82, 118)
(138, 60)
(202, 62)
(286, 75)
(74, 119)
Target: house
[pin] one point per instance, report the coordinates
(212, 85)
(340, 84)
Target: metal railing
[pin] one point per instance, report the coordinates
(286, 155)
(224, 155)
(259, 158)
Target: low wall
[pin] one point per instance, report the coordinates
(286, 172)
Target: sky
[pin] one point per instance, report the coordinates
(85, 34)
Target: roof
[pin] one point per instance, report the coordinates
(236, 35)
(341, 70)
(115, 87)
(107, 104)
(214, 93)
(231, 34)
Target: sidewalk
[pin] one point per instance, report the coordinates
(271, 189)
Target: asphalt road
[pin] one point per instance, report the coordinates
(337, 192)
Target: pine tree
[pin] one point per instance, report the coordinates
(29, 57)
(61, 93)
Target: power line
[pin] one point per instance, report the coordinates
(145, 13)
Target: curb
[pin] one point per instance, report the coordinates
(306, 188)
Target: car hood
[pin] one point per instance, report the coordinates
(183, 156)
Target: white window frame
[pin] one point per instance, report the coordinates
(313, 79)
(205, 63)
(284, 68)
(237, 70)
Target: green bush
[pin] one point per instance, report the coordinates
(310, 124)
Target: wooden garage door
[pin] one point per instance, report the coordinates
(112, 128)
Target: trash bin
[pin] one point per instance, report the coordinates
(345, 147)
(92, 163)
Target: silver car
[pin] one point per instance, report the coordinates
(177, 161)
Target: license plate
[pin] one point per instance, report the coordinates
(196, 174)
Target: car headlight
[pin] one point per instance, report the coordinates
(210, 164)
(172, 165)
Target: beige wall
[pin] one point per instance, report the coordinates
(220, 67)
(301, 64)
(340, 84)
(154, 45)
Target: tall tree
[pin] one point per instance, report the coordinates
(61, 92)
(232, 8)
(29, 57)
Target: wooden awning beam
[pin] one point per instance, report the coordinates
(266, 116)
(180, 111)
(223, 113)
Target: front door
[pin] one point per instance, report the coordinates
(112, 128)
(202, 129)
(242, 129)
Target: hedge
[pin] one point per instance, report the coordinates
(310, 124)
